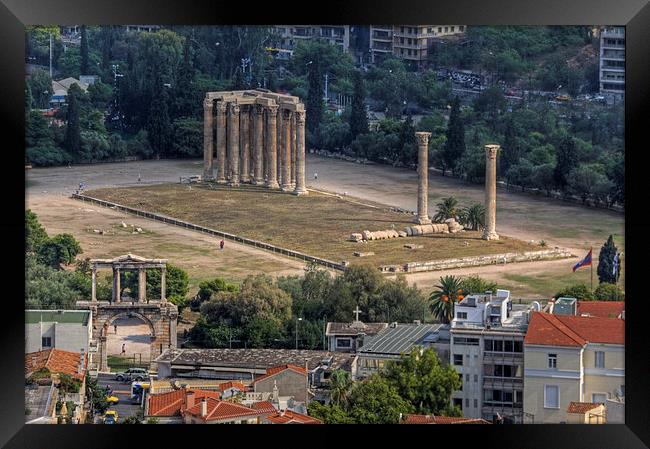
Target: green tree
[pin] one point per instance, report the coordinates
(376, 401)
(476, 284)
(446, 295)
(340, 386)
(609, 292)
(567, 160)
(61, 249)
(159, 126)
(510, 153)
(473, 217)
(35, 234)
(40, 85)
(455, 144)
(420, 378)
(578, 291)
(187, 138)
(208, 288)
(314, 103)
(329, 413)
(72, 141)
(606, 271)
(447, 208)
(84, 67)
(358, 115)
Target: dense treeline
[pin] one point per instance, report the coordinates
(147, 103)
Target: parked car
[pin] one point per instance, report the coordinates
(112, 399)
(110, 417)
(132, 374)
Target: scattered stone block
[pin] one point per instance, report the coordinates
(366, 254)
(356, 237)
(138, 230)
(124, 225)
(401, 234)
(413, 246)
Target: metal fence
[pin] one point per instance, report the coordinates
(205, 230)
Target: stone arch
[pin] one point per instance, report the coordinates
(104, 332)
(109, 321)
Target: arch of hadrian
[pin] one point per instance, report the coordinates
(159, 314)
(254, 136)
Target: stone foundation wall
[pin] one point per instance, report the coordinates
(493, 259)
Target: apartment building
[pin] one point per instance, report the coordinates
(612, 60)
(572, 362)
(411, 43)
(291, 35)
(487, 350)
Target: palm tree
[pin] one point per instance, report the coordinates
(443, 299)
(446, 209)
(340, 384)
(473, 217)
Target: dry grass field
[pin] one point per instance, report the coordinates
(315, 224)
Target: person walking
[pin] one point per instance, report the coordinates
(139, 177)
(221, 244)
(115, 326)
(315, 176)
(123, 348)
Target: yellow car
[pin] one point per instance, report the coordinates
(563, 98)
(110, 417)
(112, 399)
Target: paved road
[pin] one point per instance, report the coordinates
(122, 390)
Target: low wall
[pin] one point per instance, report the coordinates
(493, 259)
(223, 235)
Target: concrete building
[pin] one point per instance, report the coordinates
(411, 43)
(289, 380)
(571, 359)
(612, 60)
(144, 28)
(487, 339)
(291, 35)
(61, 87)
(398, 339)
(68, 330)
(349, 337)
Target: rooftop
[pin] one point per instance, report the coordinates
(59, 316)
(291, 417)
(56, 361)
(568, 330)
(603, 309)
(261, 359)
(278, 369)
(172, 402)
(354, 328)
(400, 338)
(432, 419)
(222, 410)
(582, 407)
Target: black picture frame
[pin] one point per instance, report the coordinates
(634, 14)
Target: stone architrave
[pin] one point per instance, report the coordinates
(208, 139)
(272, 140)
(258, 145)
(423, 178)
(244, 127)
(221, 142)
(301, 189)
(233, 143)
(489, 233)
(293, 150)
(286, 151)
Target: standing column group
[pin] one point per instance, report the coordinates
(260, 143)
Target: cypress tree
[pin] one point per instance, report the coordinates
(159, 124)
(455, 144)
(72, 139)
(510, 155)
(314, 104)
(358, 116)
(83, 69)
(606, 263)
(567, 160)
(407, 141)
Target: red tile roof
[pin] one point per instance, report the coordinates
(603, 309)
(173, 402)
(431, 419)
(56, 361)
(278, 369)
(582, 407)
(291, 417)
(222, 410)
(568, 330)
(232, 384)
(264, 407)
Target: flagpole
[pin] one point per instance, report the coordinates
(592, 268)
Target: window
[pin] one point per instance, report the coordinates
(461, 28)
(458, 359)
(552, 360)
(518, 346)
(600, 359)
(622, 390)
(452, 29)
(460, 377)
(461, 315)
(507, 346)
(439, 29)
(551, 396)
(46, 342)
(466, 377)
(458, 402)
(446, 29)
(498, 346)
(343, 342)
(466, 402)
(475, 403)
(598, 398)
(488, 345)
(475, 377)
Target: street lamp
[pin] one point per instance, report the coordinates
(299, 319)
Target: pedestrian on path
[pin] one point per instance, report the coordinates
(221, 244)
(315, 176)
(115, 328)
(123, 348)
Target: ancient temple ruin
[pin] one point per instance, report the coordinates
(254, 136)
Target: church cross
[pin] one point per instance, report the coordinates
(357, 312)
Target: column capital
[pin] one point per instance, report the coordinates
(221, 106)
(300, 117)
(234, 107)
(491, 151)
(287, 113)
(422, 137)
(258, 109)
(208, 103)
(273, 108)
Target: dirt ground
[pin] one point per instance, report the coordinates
(134, 334)
(518, 215)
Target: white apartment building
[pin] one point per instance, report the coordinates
(291, 35)
(612, 60)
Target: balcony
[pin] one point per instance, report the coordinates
(491, 356)
(497, 382)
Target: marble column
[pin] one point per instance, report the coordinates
(245, 132)
(93, 285)
(300, 154)
(233, 144)
(208, 139)
(117, 297)
(423, 178)
(142, 284)
(258, 145)
(286, 151)
(221, 142)
(293, 151)
(489, 233)
(272, 140)
(163, 284)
